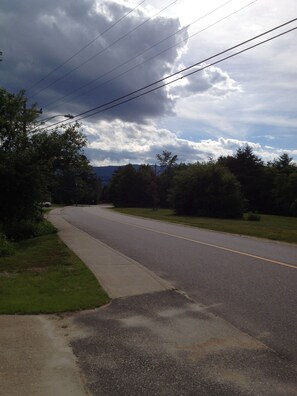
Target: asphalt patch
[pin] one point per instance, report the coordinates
(164, 344)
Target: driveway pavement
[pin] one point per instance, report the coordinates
(150, 340)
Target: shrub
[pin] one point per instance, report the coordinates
(43, 228)
(131, 187)
(28, 228)
(252, 216)
(18, 230)
(206, 190)
(6, 247)
(293, 208)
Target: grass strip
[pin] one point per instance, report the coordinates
(44, 276)
(278, 228)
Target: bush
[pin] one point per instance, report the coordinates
(206, 190)
(18, 230)
(43, 228)
(25, 229)
(131, 187)
(251, 216)
(6, 247)
(293, 208)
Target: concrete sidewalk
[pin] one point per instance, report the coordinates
(119, 275)
(36, 359)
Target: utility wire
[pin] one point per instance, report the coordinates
(142, 53)
(189, 74)
(159, 53)
(103, 50)
(125, 98)
(85, 46)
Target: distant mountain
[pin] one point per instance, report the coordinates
(105, 172)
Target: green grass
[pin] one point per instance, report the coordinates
(44, 276)
(277, 228)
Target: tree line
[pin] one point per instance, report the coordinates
(225, 188)
(38, 165)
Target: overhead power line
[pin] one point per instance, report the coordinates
(145, 51)
(150, 87)
(101, 51)
(85, 46)
(187, 75)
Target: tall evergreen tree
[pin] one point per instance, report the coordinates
(249, 171)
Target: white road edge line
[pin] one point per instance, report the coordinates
(212, 245)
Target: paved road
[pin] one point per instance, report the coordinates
(250, 283)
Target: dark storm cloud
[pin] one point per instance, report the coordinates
(39, 36)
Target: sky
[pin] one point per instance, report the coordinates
(72, 56)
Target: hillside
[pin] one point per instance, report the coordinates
(105, 172)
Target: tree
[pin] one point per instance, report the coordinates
(168, 164)
(166, 159)
(206, 190)
(22, 180)
(284, 164)
(284, 191)
(249, 171)
(131, 187)
(15, 121)
(71, 178)
(35, 164)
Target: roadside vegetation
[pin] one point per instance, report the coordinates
(238, 193)
(42, 275)
(38, 165)
(278, 228)
(38, 273)
(226, 188)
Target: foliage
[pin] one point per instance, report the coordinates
(252, 216)
(166, 159)
(206, 190)
(15, 121)
(249, 171)
(142, 186)
(22, 179)
(284, 192)
(6, 247)
(169, 167)
(270, 188)
(132, 187)
(37, 165)
(284, 164)
(71, 179)
(28, 228)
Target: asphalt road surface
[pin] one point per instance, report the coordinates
(251, 283)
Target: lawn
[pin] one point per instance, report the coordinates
(44, 276)
(277, 228)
